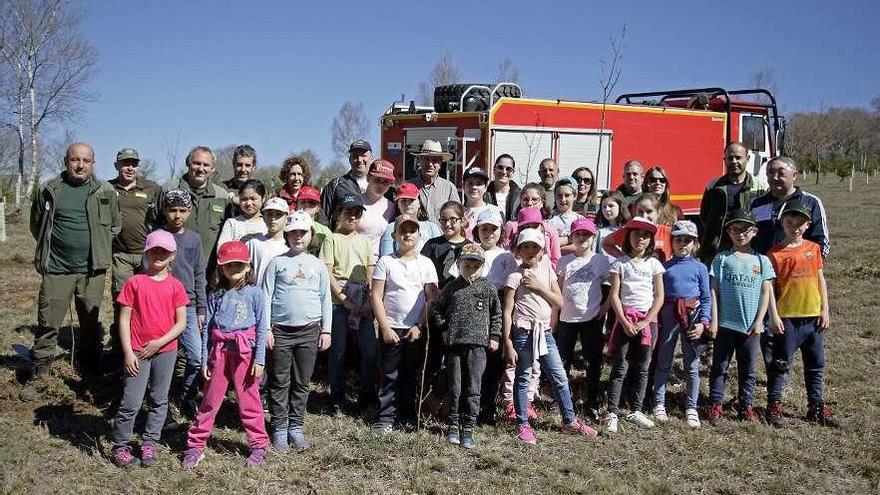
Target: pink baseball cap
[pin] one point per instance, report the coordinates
(584, 225)
(161, 239)
(233, 252)
(528, 215)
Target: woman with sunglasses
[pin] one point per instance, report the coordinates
(586, 201)
(503, 192)
(657, 182)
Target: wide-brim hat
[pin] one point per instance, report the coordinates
(433, 148)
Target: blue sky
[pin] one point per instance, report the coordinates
(274, 74)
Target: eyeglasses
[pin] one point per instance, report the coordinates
(452, 220)
(530, 201)
(584, 180)
(661, 180)
(502, 168)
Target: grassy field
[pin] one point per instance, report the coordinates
(59, 445)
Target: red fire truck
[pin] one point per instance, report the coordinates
(683, 131)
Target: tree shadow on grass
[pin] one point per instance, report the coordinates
(81, 430)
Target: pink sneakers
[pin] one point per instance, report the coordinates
(525, 434)
(578, 427)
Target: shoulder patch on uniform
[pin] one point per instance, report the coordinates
(217, 208)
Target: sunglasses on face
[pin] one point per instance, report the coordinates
(584, 180)
(661, 180)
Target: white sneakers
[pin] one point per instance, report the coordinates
(692, 417)
(660, 414)
(640, 419)
(611, 423)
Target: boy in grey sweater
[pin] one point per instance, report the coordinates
(468, 312)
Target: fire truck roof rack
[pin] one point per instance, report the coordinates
(708, 94)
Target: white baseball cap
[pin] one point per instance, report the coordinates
(490, 215)
(298, 220)
(276, 204)
(530, 235)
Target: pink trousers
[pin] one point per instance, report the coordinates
(230, 366)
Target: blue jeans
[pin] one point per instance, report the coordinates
(191, 342)
(552, 367)
(803, 334)
(670, 330)
(747, 349)
(368, 347)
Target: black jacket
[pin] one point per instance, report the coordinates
(470, 312)
(512, 199)
(713, 212)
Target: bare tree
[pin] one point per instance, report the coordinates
(507, 72)
(172, 155)
(444, 72)
(609, 75)
(348, 125)
(42, 46)
(336, 168)
(148, 169)
(763, 79)
(223, 162)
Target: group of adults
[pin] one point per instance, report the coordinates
(87, 228)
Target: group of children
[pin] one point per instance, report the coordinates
(627, 288)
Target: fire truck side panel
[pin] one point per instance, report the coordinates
(688, 144)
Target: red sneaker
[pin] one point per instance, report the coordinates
(822, 415)
(509, 411)
(716, 412)
(578, 427)
(748, 413)
(774, 415)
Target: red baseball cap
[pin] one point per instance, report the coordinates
(308, 193)
(407, 190)
(382, 169)
(233, 252)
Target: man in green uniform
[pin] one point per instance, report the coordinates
(209, 200)
(138, 204)
(74, 218)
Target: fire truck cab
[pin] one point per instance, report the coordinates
(683, 131)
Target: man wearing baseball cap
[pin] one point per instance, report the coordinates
(138, 199)
(353, 182)
(433, 189)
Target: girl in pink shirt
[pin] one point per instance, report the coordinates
(152, 316)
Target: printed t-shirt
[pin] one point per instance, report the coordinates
(582, 285)
(637, 280)
(562, 222)
(405, 281)
(739, 277)
(797, 279)
(153, 306)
